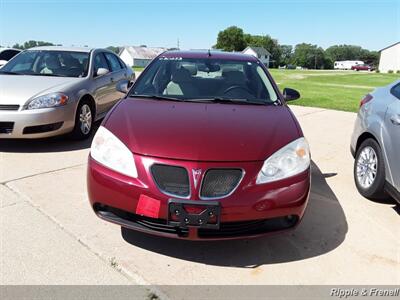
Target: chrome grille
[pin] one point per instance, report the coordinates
(9, 107)
(171, 180)
(219, 183)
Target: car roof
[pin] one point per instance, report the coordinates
(5, 48)
(214, 54)
(62, 48)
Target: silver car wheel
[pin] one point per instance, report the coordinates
(367, 167)
(85, 119)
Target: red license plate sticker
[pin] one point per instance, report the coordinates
(148, 206)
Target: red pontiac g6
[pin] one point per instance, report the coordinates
(202, 147)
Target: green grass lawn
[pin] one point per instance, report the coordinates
(341, 90)
(138, 69)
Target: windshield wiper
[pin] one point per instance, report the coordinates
(10, 73)
(157, 97)
(229, 100)
(44, 74)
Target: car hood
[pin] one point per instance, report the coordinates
(17, 89)
(202, 131)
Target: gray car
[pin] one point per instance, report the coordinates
(375, 144)
(48, 91)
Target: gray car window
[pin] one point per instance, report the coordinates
(49, 63)
(396, 91)
(8, 54)
(100, 62)
(113, 61)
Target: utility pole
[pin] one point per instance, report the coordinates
(177, 44)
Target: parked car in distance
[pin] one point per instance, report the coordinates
(6, 54)
(375, 144)
(202, 147)
(362, 67)
(53, 90)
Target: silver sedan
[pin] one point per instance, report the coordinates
(48, 91)
(376, 144)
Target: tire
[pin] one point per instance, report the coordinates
(369, 162)
(83, 121)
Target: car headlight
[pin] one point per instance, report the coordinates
(49, 100)
(108, 150)
(291, 160)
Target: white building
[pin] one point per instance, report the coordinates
(390, 58)
(139, 56)
(259, 52)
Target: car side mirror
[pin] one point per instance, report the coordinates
(102, 71)
(123, 86)
(290, 94)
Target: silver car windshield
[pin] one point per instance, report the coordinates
(206, 79)
(48, 63)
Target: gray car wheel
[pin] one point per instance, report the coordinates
(369, 170)
(83, 121)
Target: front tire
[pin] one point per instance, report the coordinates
(83, 121)
(369, 170)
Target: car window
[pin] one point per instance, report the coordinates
(100, 62)
(185, 78)
(8, 54)
(49, 63)
(396, 91)
(123, 65)
(23, 63)
(113, 62)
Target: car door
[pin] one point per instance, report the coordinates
(393, 128)
(118, 73)
(104, 84)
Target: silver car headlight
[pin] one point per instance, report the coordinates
(47, 101)
(108, 150)
(290, 160)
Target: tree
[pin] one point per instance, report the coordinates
(231, 39)
(370, 57)
(286, 54)
(31, 44)
(266, 42)
(309, 56)
(344, 52)
(351, 52)
(113, 49)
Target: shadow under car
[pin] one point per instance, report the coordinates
(322, 229)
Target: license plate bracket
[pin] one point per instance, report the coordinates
(208, 218)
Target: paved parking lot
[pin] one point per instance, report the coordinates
(49, 234)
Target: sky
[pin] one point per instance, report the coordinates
(99, 23)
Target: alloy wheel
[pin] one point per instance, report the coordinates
(367, 167)
(85, 119)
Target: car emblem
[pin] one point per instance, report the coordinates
(196, 176)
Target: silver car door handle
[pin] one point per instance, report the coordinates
(395, 119)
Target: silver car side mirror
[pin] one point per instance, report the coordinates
(123, 86)
(102, 71)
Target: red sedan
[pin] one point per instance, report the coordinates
(202, 147)
(362, 67)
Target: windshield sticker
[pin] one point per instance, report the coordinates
(170, 58)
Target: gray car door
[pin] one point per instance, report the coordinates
(118, 73)
(393, 127)
(104, 84)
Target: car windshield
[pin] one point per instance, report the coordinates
(205, 79)
(48, 63)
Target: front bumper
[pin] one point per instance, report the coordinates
(251, 210)
(37, 123)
